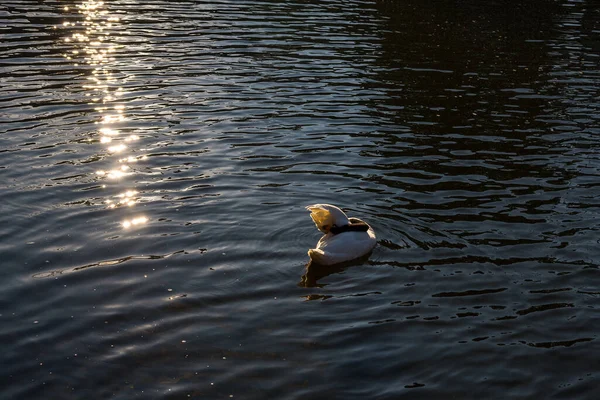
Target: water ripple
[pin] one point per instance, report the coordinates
(165, 152)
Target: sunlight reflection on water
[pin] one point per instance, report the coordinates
(105, 88)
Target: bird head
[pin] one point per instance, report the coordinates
(325, 216)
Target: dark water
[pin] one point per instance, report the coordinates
(155, 159)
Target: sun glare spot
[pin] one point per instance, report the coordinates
(130, 159)
(109, 131)
(115, 174)
(134, 222)
(117, 148)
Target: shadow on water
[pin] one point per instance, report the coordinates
(465, 93)
(478, 129)
(314, 271)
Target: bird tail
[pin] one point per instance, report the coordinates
(316, 255)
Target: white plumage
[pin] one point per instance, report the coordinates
(354, 238)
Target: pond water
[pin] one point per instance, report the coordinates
(156, 158)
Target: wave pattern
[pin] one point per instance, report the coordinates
(156, 158)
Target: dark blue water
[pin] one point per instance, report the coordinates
(156, 158)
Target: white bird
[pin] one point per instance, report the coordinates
(345, 238)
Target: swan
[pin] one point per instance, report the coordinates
(344, 238)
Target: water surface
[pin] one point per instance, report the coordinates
(155, 160)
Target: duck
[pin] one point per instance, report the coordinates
(344, 239)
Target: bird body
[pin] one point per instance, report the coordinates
(344, 238)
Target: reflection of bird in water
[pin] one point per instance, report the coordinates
(315, 271)
(345, 238)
